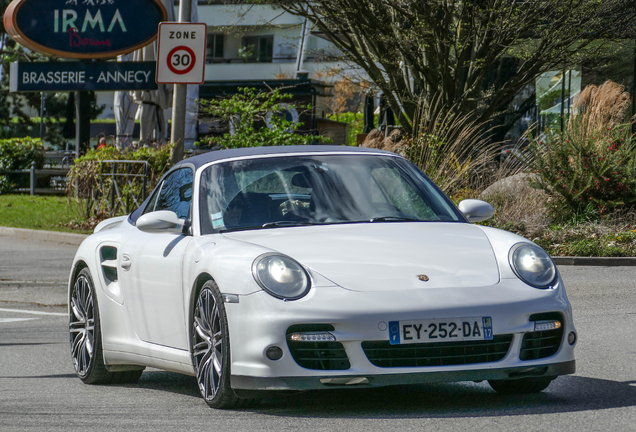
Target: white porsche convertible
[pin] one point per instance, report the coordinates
(298, 268)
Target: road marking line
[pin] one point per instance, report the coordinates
(34, 312)
(9, 320)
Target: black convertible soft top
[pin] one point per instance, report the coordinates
(219, 155)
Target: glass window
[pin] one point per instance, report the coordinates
(324, 189)
(175, 194)
(258, 48)
(215, 46)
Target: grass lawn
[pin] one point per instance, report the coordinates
(49, 213)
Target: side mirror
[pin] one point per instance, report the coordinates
(476, 210)
(162, 221)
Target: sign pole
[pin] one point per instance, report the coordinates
(179, 100)
(82, 122)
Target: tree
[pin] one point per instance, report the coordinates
(248, 111)
(475, 55)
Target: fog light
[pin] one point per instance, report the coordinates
(572, 338)
(274, 353)
(546, 325)
(312, 337)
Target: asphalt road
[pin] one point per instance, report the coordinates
(39, 391)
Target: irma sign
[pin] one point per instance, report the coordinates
(84, 29)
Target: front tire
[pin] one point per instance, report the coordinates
(86, 338)
(211, 349)
(520, 386)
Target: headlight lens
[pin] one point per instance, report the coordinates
(281, 276)
(532, 264)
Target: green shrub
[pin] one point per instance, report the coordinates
(589, 170)
(89, 180)
(586, 175)
(18, 154)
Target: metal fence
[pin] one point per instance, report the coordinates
(123, 183)
(57, 183)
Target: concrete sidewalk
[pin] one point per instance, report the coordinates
(47, 236)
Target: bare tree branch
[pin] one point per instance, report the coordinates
(448, 47)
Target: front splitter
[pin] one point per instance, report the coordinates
(242, 385)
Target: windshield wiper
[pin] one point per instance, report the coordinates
(394, 219)
(287, 223)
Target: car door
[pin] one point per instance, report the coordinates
(152, 267)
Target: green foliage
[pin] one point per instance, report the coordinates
(587, 175)
(576, 240)
(355, 122)
(18, 154)
(90, 179)
(246, 113)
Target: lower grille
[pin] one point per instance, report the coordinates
(538, 345)
(385, 355)
(317, 355)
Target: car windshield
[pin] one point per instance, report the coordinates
(322, 189)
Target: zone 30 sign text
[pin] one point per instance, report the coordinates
(181, 53)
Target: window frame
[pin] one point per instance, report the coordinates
(152, 203)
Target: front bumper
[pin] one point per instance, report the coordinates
(316, 382)
(260, 321)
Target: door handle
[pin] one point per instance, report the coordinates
(125, 262)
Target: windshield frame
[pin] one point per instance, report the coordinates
(197, 214)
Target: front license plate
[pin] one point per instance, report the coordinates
(440, 330)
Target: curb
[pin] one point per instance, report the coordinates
(47, 236)
(595, 261)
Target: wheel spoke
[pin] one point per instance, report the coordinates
(200, 329)
(90, 326)
(77, 342)
(89, 344)
(201, 346)
(217, 364)
(84, 357)
(79, 314)
(75, 327)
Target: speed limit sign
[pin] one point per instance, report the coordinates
(181, 53)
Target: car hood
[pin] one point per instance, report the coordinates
(387, 256)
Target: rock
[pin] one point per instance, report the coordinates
(512, 185)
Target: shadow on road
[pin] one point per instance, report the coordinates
(566, 394)
(169, 382)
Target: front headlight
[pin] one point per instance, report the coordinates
(532, 265)
(281, 276)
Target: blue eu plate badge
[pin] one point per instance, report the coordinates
(394, 332)
(487, 328)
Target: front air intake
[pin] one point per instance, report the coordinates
(542, 344)
(317, 353)
(383, 354)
